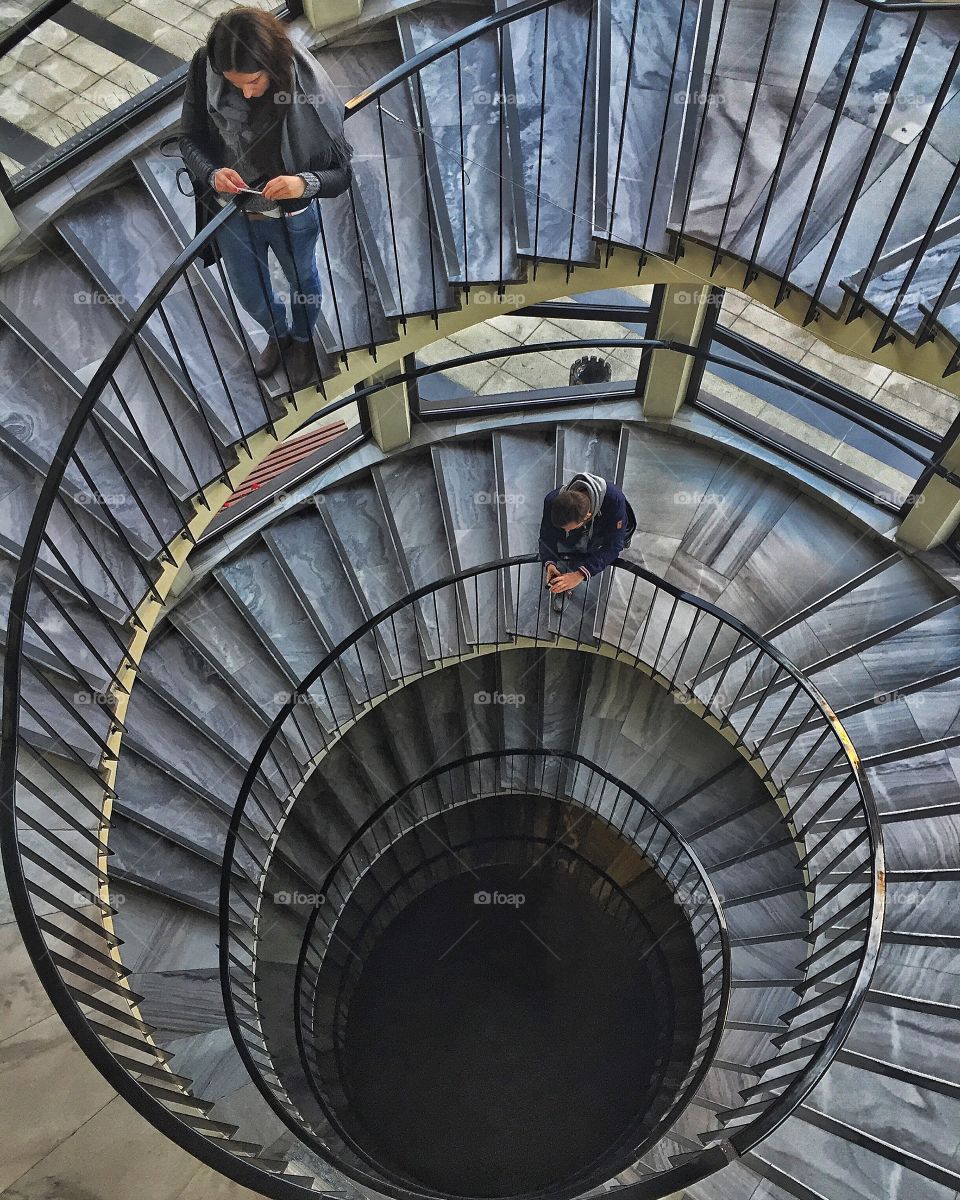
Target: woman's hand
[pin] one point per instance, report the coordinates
(285, 187)
(227, 180)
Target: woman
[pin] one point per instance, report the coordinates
(259, 113)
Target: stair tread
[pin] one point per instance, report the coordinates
(394, 195)
(554, 193)
(473, 254)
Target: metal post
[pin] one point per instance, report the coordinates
(389, 411)
(932, 513)
(687, 314)
(8, 222)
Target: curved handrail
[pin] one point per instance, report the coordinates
(709, 892)
(742, 1139)
(206, 1150)
(82, 419)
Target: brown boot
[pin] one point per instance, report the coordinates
(301, 363)
(271, 357)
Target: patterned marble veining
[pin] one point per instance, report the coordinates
(118, 583)
(393, 192)
(806, 553)
(799, 188)
(883, 47)
(733, 518)
(842, 1170)
(191, 685)
(152, 725)
(888, 1108)
(469, 162)
(35, 408)
(129, 264)
(950, 318)
(209, 619)
(861, 238)
(648, 63)
(185, 874)
(467, 483)
(357, 524)
(310, 560)
(190, 1002)
(558, 191)
(147, 790)
(925, 287)
(923, 650)
(56, 629)
(409, 490)
(270, 605)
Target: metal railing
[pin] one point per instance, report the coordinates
(714, 663)
(562, 779)
(173, 406)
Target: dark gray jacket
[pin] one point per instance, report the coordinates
(312, 143)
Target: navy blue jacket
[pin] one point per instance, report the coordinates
(610, 528)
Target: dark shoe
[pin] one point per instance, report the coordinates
(300, 362)
(271, 356)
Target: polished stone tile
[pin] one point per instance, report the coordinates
(798, 179)
(648, 65)
(357, 524)
(929, 277)
(738, 510)
(843, 1171)
(557, 200)
(35, 1064)
(861, 239)
(465, 162)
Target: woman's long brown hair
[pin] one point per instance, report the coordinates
(248, 40)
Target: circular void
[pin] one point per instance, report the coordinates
(510, 1022)
(496, 1048)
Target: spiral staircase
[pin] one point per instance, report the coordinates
(238, 772)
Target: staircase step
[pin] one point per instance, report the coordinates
(552, 121)
(312, 566)
(388, 167)
(647, 57)
(466, 483)
(126, 244)
(257, 585)
(469, 167)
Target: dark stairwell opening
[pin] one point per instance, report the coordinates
(505, 1000)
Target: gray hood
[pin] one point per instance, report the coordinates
(593, 485)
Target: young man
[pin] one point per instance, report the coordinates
(586, 526)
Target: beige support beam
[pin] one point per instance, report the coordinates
(935, 512)
(325, 14)
(389, 411)
(681, 319)
(8, 224)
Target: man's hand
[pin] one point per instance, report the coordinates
(553, 572)
(284, 187)
(227, 180)
(565, 583)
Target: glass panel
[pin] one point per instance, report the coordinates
(536, 371)
(835, 441)
(925, 405)
(82, 64)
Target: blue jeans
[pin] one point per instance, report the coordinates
(245, 246)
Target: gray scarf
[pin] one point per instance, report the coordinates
(578, 540)
(314, 115)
